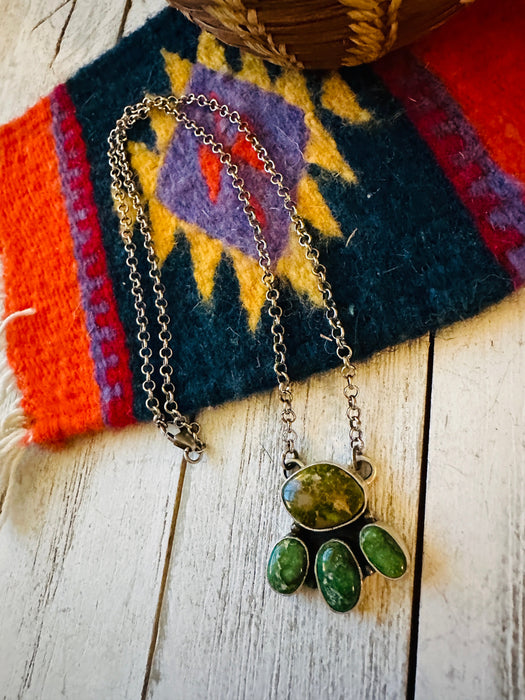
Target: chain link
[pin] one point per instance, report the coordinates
(125, 192)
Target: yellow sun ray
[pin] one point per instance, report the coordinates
(178, 70)
(321, 148)
(253, 71)
(206, 254)
(311, 206)
(298, 270)
(291, 85)
(211, 54)
(341, 100)
(163, 223)
(252, 290)
(164, 126)
(146, 164)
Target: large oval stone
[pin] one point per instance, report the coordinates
(323, 497)
(382, 551)
(338, 575)
(288, 565)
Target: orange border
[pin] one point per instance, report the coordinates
(49, 352)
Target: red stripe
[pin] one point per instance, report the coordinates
(108, 341)
(456, 147)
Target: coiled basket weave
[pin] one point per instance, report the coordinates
(318, 33)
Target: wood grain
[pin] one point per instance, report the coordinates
(472, 618)
(106, 593)
(82, 552)
(223, 632)
(81, 560)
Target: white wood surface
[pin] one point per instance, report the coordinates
(223, 632)
(472, 621)
(112, 588)
(82, 558)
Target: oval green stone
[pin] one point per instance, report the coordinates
(338, 575)
(323, 497)
(288, 565)
(382, 551)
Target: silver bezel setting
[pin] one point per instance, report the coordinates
(397, 539)
(355, 469)
(355, 476)
(290, 537)
(340, 612)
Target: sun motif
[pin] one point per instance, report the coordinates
(189, 193)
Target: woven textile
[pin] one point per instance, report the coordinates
(409, 174)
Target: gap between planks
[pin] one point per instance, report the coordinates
(226, 634)
(417, 559)
(420, 531)
(164, 579)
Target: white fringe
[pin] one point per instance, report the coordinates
(12, 419)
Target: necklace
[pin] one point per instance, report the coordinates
(320, 497)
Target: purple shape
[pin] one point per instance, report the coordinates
(502, 195)
(69, 176)
(182, 186)
(511, 212)
(516, 257)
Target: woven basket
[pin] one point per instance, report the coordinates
(318, 33)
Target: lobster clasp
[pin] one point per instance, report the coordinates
(191, 445)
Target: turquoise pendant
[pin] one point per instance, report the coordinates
(323, 498)
(383, 550)
(288, 565)
(338, 575)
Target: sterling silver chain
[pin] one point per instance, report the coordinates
(125, 193)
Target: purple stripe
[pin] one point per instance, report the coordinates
(495, 199)
(505, 191)
(512, 195)
(510, 210)
(77, 215)
(517, 258)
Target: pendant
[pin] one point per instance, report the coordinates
(323, 498)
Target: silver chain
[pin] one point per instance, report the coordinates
(125, 192)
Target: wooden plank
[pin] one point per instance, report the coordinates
(223, 632)
(135, 13)
(81, 564)
(82, 552)
(472, 619)
(44, 44)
